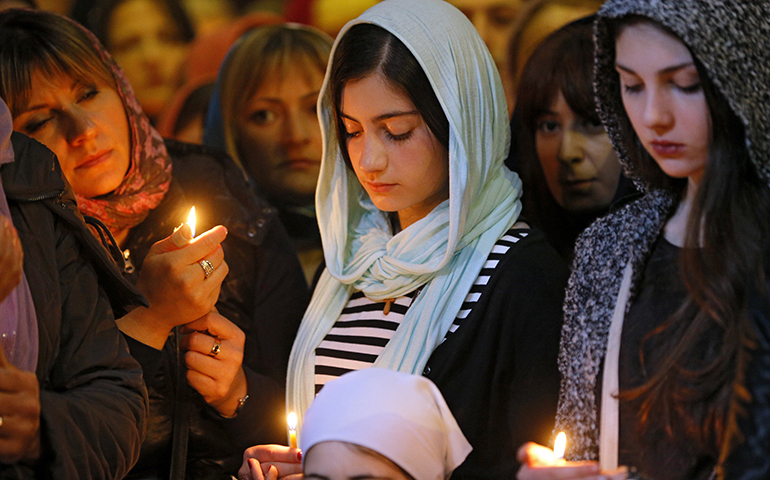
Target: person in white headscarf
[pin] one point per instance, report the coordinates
(376, 419)
(428, 268)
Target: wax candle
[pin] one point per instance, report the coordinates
(292, 421)
(559, 445)
(191, 221)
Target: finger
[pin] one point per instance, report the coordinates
(203, 245)
(255, 469)
(274, 453)
(182, 235)
(217, 326)
(272, 474)
(217, 257)
(3, 363)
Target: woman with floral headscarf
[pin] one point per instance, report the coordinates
(229, 359)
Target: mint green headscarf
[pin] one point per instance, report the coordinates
(446, 250)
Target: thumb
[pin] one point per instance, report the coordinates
(175, 241)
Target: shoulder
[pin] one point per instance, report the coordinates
(529, 256)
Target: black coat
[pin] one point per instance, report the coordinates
(498, 371)
(264, 294)
(92, 397)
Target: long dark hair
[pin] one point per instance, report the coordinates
(707, 342)
(563, 62)
(366, 49)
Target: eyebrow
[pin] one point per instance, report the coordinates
(384, 116)
(672, 68)
(280, 100)
(45, 105)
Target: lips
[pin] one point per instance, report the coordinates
(378, 187)
(667, 149)
(301, 163)
(95, 159)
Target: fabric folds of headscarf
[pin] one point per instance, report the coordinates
(149, 172)
(444, 251)
(18, 319)
(400, 416)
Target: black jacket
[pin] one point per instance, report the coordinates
(264, 294)
(498, 371)
(92, 397)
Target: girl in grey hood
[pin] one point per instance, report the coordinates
(665, 350)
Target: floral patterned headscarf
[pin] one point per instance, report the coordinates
(149, 173)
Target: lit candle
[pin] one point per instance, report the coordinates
(559, 445)
(292, 421)
(191, 221)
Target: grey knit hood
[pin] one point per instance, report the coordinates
(731, 38)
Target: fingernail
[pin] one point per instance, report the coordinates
(299, 456)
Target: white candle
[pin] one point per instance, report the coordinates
(191, 221)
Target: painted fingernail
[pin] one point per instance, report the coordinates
(299, 456)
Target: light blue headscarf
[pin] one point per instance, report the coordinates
(445, 250)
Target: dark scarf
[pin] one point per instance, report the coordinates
(149, 172)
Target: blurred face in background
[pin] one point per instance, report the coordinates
(580, 166)
(279, 137)
(149, 46)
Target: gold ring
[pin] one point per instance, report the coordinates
(215, 349)
(207, 267)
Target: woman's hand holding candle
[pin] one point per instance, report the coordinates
(540, 463)
(214, 357)
(176, 286)
(263, 462)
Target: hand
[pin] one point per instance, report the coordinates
(539, 463)
(262, 461)
(175, 284)
(20, 412)
(219, 377)
(11, 257)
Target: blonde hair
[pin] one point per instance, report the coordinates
(36, 41)
(265, 51)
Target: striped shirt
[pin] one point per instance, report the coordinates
(363, 329)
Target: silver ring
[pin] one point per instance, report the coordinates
(216, 348)
(207, 267)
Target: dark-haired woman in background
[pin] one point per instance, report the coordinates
(570, 172)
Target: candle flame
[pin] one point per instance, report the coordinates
(560, 445)
(292, 421)
(191, 221)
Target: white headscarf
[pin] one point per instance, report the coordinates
(400, 416)
(445, 250)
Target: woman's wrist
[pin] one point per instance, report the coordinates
(140, 325)
(232, 404)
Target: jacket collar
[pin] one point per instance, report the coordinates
(37, 177)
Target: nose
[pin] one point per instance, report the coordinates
(297, 129)
(372, 157)
(571, 150)
(657, 113)
(80, 127)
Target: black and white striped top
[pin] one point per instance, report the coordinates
(363, 330)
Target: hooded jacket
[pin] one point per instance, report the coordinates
(731, 38)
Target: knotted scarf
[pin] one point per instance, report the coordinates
(444, 251)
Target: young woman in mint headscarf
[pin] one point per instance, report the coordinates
(428, 268)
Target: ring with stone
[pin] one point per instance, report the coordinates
(207, 267)
(216, 348)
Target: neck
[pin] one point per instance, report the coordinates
(675, 230)
(120, 237)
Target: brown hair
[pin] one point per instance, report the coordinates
(37, 41)
(265, 51)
